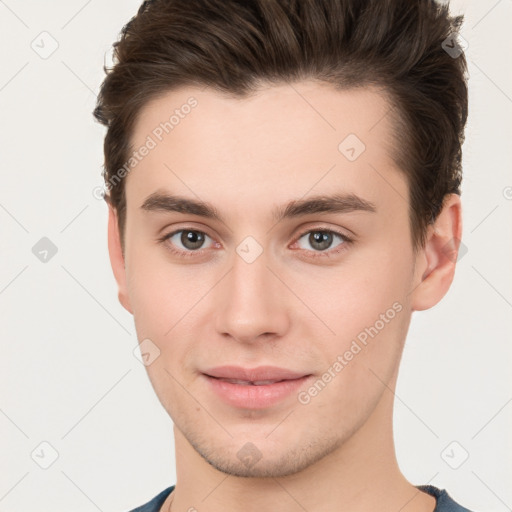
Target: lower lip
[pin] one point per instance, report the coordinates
(254, 397)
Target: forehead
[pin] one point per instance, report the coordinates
(322, 110)
(291, 138)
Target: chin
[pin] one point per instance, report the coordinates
(261, 457)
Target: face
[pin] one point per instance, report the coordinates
(321, 291)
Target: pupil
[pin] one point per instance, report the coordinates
(192, 239)
(322, 239)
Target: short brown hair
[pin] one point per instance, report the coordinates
(233, 46)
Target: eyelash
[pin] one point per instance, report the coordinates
(317, 254)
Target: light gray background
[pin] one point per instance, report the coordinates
(68, 376)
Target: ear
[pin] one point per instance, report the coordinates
(117, 258)
(435, 263)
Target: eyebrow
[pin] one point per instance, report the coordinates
(337, 203)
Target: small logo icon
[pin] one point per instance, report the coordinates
(44, 455)
(351, 147)
(455, 455)
(249, 249)
(44, 250)
(454, 45)
(249, 454)
(146, 352)
(44, 44)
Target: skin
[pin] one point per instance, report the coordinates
(287, 308)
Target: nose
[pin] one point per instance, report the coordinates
(252, 302)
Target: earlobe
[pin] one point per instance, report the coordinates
(117, 260)
(435, 263)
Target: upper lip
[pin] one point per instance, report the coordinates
(261, 373)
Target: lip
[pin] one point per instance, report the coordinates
(248, 396)
(253, 374)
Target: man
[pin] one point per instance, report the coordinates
(283, 186)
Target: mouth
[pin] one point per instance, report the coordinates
(257, 388)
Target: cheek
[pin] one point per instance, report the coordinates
(366, 305)
(167, 299)
(360, 292)
(369, 316)
(156, 293)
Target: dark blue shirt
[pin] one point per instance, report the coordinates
(444, 503)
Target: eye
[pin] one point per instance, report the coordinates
(321, 240)
(191, 241)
